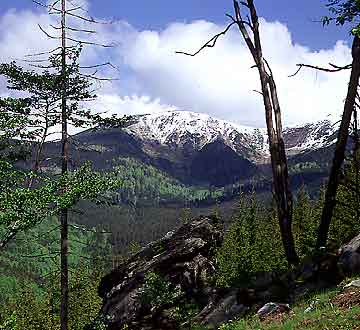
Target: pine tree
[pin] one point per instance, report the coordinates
(346, 222)
(305, 224)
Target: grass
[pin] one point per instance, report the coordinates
(332, 311)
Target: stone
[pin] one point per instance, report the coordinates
(353, 286)
(223, 306)
(312, 306)
(182, 258)
(272, 308)
(349, 257)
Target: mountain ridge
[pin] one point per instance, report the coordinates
(177, 127)
(198, 149)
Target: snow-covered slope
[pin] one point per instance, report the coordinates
(184, 129)
(310, 136)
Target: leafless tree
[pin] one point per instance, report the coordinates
(342, 139)
(249, 30)
(66, 53)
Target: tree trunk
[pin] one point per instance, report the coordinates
(330, 195)
(37, 161)
(283, 195)
(64, 280)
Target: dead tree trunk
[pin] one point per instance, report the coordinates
(40, 147)
(283, 195)
(356, 160)
(333, 183)
(64, 277)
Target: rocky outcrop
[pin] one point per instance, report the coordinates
(149, 288)
(182, 260)
(222, 306)
(349, 259)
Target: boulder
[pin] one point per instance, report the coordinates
(182, 259)
(353, 286)
(272, 308)
(312, 306)
(314, 274)
(349, 256)
(223, 305)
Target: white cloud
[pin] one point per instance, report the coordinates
(20, 34)
(115, 104)
(219, 81)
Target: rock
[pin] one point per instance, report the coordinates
(312, 306)
(182, 258)
(272, 308)
(222, 307)
(263, 280)
(352, 286)
(349, 256)
(316, 273)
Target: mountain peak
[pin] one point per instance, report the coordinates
(178, 128)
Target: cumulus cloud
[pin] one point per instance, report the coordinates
(115, 104)
(219, 81)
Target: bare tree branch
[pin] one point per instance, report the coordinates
(335, 68)
(47, 34)
(209, 44)
(73, 29)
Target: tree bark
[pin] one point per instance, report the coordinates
(339, 155)
(37, 161)
(64, 278)
(283, 195)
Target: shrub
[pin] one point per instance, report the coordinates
(158, 291)
(252, 244)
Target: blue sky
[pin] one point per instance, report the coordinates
(299, 16)
(219, 81)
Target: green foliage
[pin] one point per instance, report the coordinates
(134, 247)
(32, 118)
(33, 311)
(158, 292)
(185, 215)
(33, 256)
(13, 121)
(144, 183)
(305, 224)
(39, 111)
(344, 12)
(159, 247)
(184, 312)
(325, 315)
(252, 244)
(23, 207)
(346, 220)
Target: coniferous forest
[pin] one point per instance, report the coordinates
(124, 207)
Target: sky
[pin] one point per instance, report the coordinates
(219, 81)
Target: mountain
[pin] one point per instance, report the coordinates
(220, 152)
(192, 131)
(198, 149)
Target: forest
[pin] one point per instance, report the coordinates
(98, 233)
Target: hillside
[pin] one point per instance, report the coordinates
(196, 149)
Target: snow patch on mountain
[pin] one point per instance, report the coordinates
(179, 128)
(310, 136)
(160, 126)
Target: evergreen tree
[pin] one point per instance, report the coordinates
(305, 224)
(251, 245)
(346, 222)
